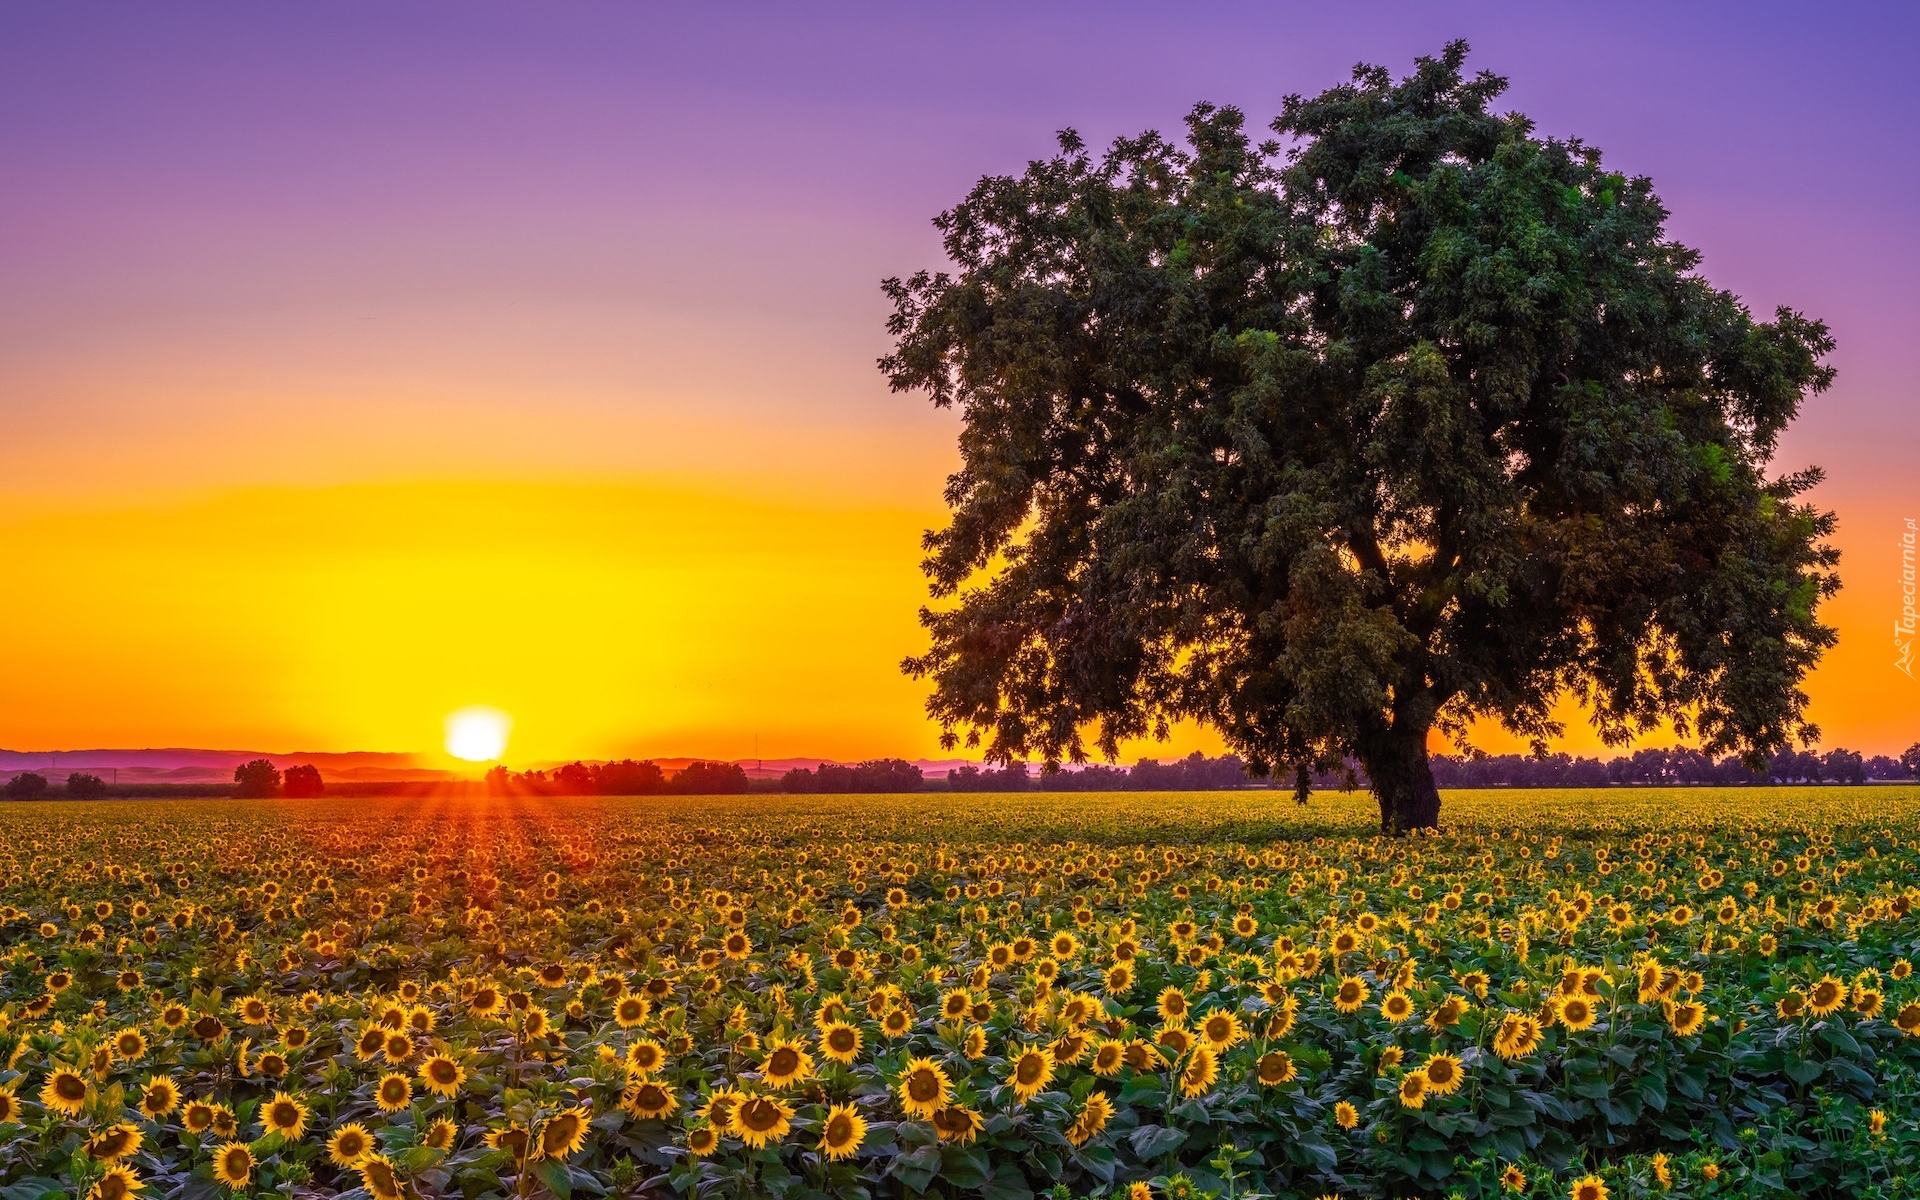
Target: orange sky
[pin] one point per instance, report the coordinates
(610, 618)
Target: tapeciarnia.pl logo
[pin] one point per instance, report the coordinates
(1903, 629)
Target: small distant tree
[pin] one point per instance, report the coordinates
(709, 779)
(303, 783)
(82, 786)
(499, 781)
(1910, 759)
(574, 779)
(630, 778)
(257, 779)
(26, 786)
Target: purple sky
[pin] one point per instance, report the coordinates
(362, 242)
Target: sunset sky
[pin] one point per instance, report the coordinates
(363, 361)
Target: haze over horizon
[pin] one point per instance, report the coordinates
(361, 364)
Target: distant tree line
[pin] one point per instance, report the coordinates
(259, 779)
(623, 778)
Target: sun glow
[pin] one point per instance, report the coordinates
(478, 734)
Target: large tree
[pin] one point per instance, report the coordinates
(1405, 418)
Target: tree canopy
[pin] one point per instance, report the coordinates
(1404, 418)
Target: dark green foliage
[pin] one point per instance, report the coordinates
(82, 786)
(1414, 419)
(28, 785)
(257, 779)
(303, 783)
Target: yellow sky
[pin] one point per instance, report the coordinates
(608, 619)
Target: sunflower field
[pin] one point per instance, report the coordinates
(1565, 994)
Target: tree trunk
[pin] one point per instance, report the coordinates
(1401, 777)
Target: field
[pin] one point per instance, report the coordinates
(1586, 994)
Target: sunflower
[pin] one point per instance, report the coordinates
(1093, 1118)
(645, 1056)
(1447, 1015)
(1345, 1115)
(225, 1126)
(371, 1043)
(1576, 1013)
(1119, 980)
(1200, 1072)
(763, 1119)
(649, 1101)
(1274, 1068)
(1173, 1005)
(702, 1141)
(66, 1092)
(1867, 1002)
(632, 1010)
(1144, 1056)
(1396, 1006)
(1032, 1071)
(958, 1123)
(159, 1097)
(393, 1092)
(129, 1044)
(975, 1044)
(1513, 1179)
(114, 1143)
(442, 1076)
(349, 1144)
(1519, 1035)
(1907, 1020)
(440, 1134)
(841, 1042)
(9, 1105)
(285, 1115)
(198, 1116)
(398, 1048)
(1350, 995)
(1827, 996)
(1443, 1074)
(1414, 1087)
(924, 1086)
(1588, 1187)
(1109, 1055)
(842, 1132)
(1221, 1028)
(897, 1023)
(1686, 1017)
(1175, 1039)
(233, 1164)
(563, 1134)
(955, 1005)
(514, 1139)
(119, 1183)
(378, 1177)
(272, 1065)
(719, 1108)
(1791, 1005)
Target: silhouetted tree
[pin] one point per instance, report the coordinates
(1843, 766)
(303, 783)
(1011, 778)
(708, 779)
(1424, 422)
(257, 780)
(1910, 759)
(499, 781)
(27, 785)
(630, 778)
(574, 779)
(82, 786)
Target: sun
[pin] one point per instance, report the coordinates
(477, 733)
